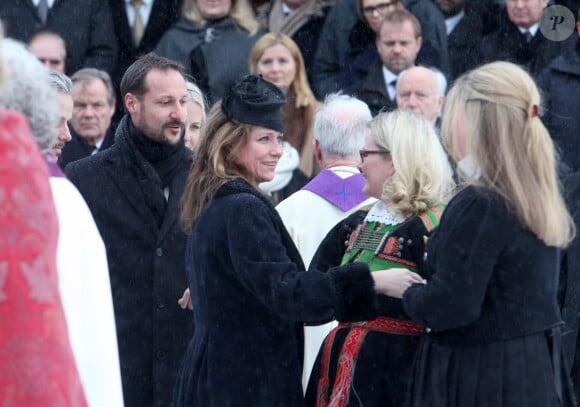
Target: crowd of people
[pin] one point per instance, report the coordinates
(289, 202)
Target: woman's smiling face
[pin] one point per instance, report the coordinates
(261, 154)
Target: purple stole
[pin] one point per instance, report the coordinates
(344, 193)
(53, 168)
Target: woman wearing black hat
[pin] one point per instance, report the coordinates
(248, 288)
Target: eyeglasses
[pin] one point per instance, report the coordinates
(381, 8)
(365, 153)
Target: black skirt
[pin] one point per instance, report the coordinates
(381, 374)
(515, 372)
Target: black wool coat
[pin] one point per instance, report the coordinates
(560, 83)
(569, 292)
(163, 14)
(508, 44)
(250, 293)
(215, 54)
(464, 44)
(146, 266)
(77, 148)
(373, 91)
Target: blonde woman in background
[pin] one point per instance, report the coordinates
(195, 116)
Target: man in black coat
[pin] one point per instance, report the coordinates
(162, 14)
(464, 34)
(398, 43)
(561, 85)
(133, 190)
(518, 38)
(331, 53)
(85, 26)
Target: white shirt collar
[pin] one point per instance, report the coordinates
(452, 22)
(286, 10)
(381, 213)
(145, 11)
(49, 2)
(533, 29)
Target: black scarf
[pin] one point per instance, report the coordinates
(157, 163)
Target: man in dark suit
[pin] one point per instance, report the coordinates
(464, 34)
(518, 38)
(85, 25)
(50, 49)
(398, 43)
(133, 190)
(156, 16)
(560, 82)
(94, 104)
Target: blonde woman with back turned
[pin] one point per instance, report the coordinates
(492, 267)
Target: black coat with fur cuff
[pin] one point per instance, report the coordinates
(355, 293)
(250, 293)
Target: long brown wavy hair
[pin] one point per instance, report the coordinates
(215, 163)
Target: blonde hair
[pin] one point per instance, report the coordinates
(215, 163)
(196, 96)
(304, 95)
(241, 13)
(509, 145)
(423, 175)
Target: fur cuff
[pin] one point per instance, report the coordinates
(355, 293)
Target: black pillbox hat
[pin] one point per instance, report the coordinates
(252, 100)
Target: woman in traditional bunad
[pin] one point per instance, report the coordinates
(406, 168)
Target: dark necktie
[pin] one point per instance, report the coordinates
(393, 83)
(528, 36)
(42, 9)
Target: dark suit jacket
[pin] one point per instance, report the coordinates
(569, 291)
(560, 83)
(508, 44)
(77, 148)
(163, 14)
(372, 90)
(464, 44)
(85, 25)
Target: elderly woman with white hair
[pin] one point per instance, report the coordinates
(81, 262)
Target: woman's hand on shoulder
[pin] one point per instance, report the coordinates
(394, 282)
